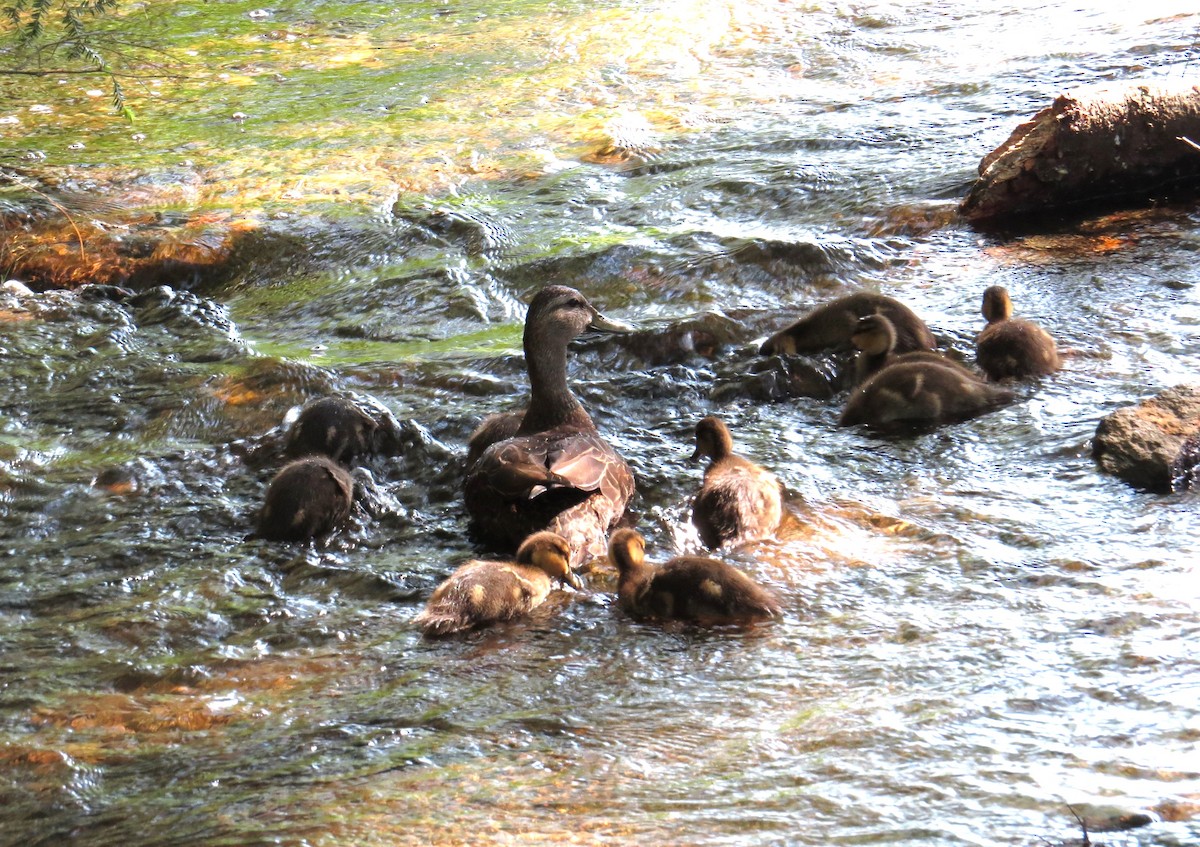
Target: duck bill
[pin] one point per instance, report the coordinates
(696, 456)
(572, 579)
(602, 324)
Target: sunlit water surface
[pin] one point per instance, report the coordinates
(980, 628)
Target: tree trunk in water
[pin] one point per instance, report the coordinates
(1092, 147)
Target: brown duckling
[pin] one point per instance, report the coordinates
(332, 426)
(309, 497)
(832, 324)
(916, 394)
(739, 501)
(875, 339)
(484, 592)
(1012, 348)
(556, 472)
(690, 588)
(498, 426)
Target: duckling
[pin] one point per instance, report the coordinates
(484, 592)
(739, 501)
(556, 472)
(915, 394)
(332, 426)
(309, 497)
(690, 588)
(498, 426)
(831, 325)
(1012, 348)
(875, 338)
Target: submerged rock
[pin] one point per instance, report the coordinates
(1145, 444)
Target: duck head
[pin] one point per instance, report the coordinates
(712, 439)
(997, 305)
(560, 314)
(627, 550)
(550, 553)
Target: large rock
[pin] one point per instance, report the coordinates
(1143, 444)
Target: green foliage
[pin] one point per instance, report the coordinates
(41, 29)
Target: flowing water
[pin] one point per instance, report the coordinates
(980, 628)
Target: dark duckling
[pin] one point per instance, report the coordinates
(485, 592)
(342, 429)
(556, 472)
(309, 497)
(739, 501)
(1012, 348)
(498, 426)
(690, 588)
(875, 339)
(917, 394)
(832, 324)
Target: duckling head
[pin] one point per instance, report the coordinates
(997, 306)
(712, 439)
(874, 335)
(627, 549)
(549, 552)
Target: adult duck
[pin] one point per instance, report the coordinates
(690, 588)
(739, 501)
(917, 394)
(481, 592)
(555, 472)
(832, 324)
(875, 339)
(1012, 348)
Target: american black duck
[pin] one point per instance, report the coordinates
(831, 325)
(1012, 348)
(485, 592)
(308, 498)
(556, 472)
(690, 588)
(738, 501)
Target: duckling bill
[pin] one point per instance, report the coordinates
(480, 593)
(689, 588)
(739, 501)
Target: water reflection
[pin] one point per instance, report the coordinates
(978, 627)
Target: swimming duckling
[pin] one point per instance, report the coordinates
(832, 324)
(332, 426)
(875, 338)
(916, 394)
(556, 472)
(689, 588)
(738, 502)
(309, 497)
(1012, 348)
(484, 592)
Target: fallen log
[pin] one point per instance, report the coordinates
(1090, 148)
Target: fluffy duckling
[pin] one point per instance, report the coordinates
(332, 426)
(556, 472)
(483, 592)
(832, 324)
(875, 339)
(915, 394)
(1012, 348)
(690, 588)
(308, 498)
(739, 501)
(498, 426)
